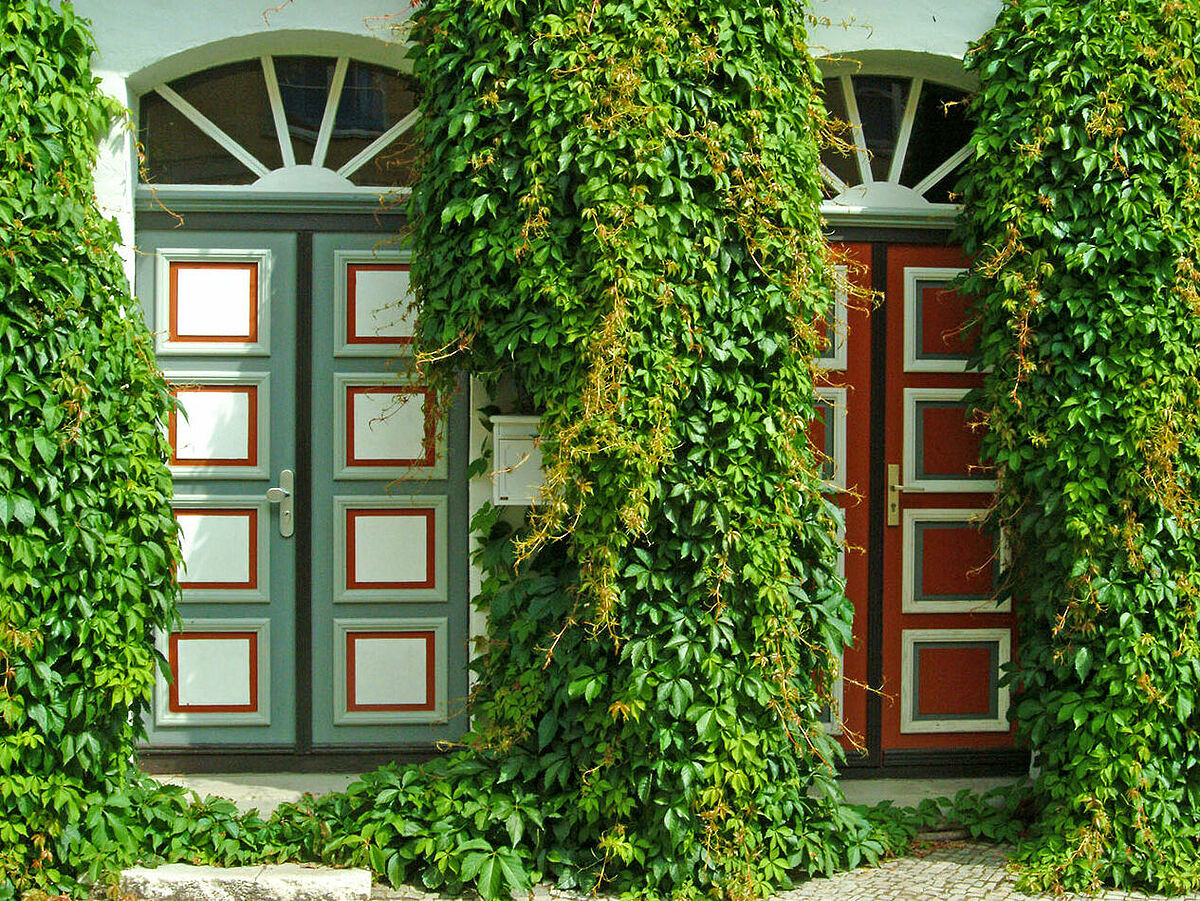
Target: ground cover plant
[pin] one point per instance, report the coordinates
(618, 219)
(1083, 210)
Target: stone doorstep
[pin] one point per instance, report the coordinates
(276, 882)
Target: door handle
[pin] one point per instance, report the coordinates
(893, 493)
(283, 495)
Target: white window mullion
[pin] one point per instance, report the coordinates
(963, 154)
(830, 178)
(860, 137)
(906, 128)
(206, 125)
(277, 112)
(377, 146)
(331, 108)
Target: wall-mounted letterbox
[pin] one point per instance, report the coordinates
(517, 476)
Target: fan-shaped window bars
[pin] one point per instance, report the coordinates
(281, 122)
(909, 137)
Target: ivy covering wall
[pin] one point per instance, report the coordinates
(87, 537)
(1083, 212)
(618, 217)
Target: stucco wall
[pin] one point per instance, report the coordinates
(918, 26)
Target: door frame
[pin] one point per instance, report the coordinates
(303, 755)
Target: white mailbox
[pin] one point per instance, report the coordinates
(517, 477)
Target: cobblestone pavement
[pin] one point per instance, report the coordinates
(949, 871)
(952, 871)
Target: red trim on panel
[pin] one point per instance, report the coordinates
(173, 303)
(251, 458)
(429, 444)
(251, 514)
(430, 702)
(895, 620)
(173, 659)
(818, 428)
(429, 513)
(352, 270)
(951, 445)
(954, 681)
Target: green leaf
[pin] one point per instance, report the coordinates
(1083, 662)
(24, 511)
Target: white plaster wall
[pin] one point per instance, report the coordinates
(918, 26)
(134, 34)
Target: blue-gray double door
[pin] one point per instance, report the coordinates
(321, 497)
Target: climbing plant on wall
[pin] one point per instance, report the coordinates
(617, 222)
(618, 217)
(1083, 212)
(87, 538)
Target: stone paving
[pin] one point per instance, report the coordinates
(946, 871)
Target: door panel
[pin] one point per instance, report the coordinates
(389, 516)
(223, 311)
(944, 638)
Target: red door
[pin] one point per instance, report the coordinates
(930, 640)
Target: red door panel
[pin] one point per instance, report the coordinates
(944, 638)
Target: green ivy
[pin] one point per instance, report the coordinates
(86, 530)
(618, 218)
(1083, 215)
(618, 223)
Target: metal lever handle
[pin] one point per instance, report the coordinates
(893, 493)
(282, 495)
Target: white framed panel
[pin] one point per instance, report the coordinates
(834, 400)
(373, 311)
(222, 432)
(914, 641)
(911, 602)
(835, 356)
(225, 543)
(218, 305)
(913, 398)
(380, 424)
(914, 361)
(221, 673)
(389, 548)
(389, 671)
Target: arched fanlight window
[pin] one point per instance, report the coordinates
(909, 137)
(297, 123)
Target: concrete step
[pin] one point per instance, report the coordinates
(277, 882)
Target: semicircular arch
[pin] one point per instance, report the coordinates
(904, 132)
